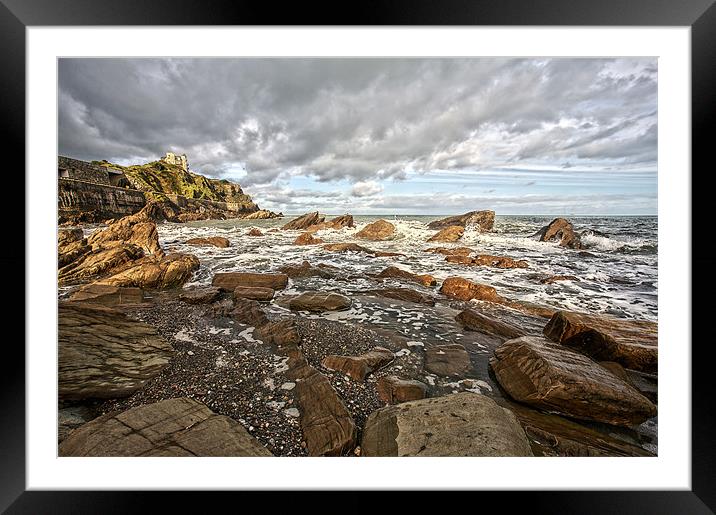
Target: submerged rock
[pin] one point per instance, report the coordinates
(103, 354)
(358, 367)
(463, 424)
(379, 230)
(546, 375)
(450, 251)
(212, 241)
(451, 233)
(474, 321)
(487, 260)
(304, 221)
(561, 229)
(447, 360)
(631, 343)
(394, 390)
(484, 220)
(394, 272)
(172, 427)
(229, 281)
(254, 232)
(319, 302)
(555, 278)
(305, 269)
(404, 294)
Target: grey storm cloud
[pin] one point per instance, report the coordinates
(360, 120)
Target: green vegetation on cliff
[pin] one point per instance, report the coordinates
(159, 179)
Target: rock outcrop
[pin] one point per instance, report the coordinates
(103, 354)
(449, 234)
(379, 230)
(447, 360)
(463, 289)
(394, 390)
(212, 241)
(552, 377)
(229, 281)
(484, 220)
(304, 221)
(463, 424)
(172, 427)
(561, 229)
(393, 272)
(358, 367)
(319, 302)
(108, 295)
(201, 295)
(307, 238)
(149, 272)
(336, 223)
(631, 343)
(262, 214)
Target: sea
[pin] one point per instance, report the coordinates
(617, 271)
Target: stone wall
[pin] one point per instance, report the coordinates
(69, 168)
(75, 197)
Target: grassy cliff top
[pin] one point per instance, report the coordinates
(161, 177)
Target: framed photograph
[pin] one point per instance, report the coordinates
(438, 248)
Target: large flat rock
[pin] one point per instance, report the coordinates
(229, 281)
(317, 301)
(463, 424)
(358, 367)
(104, 354)
(173, 427)
(631, 343)
(108, 295)
(552, 377)
(447, 360)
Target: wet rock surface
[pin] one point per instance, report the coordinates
(483, 220)
(463, 424)
(212, 241)
(358, 367)
(543, 374)
(377, 231)
(229, 281)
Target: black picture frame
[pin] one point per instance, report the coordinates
(700, 15)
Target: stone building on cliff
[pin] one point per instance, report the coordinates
(173, 159)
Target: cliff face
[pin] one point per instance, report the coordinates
(80, 201)
(160, 177)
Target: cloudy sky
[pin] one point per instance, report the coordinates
(381, 136)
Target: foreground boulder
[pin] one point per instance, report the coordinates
(249, 312)
(304, 221)
(201, 295)
(172, 427)
(447, 360)
(463, 424)
(487, 260)
(549, 376)
(108, 295)
(472, 320)
(151, 272)
(379, 230)
(212, 241)
(103, 354)
(319, 302)
(631, 343)
(91, 265)
(452, 233)
(394, 272)
(139, 229)
(484, 220)
(282, 333)
(358, 367)
(229, 281)
(562, 230)
(394, 390)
